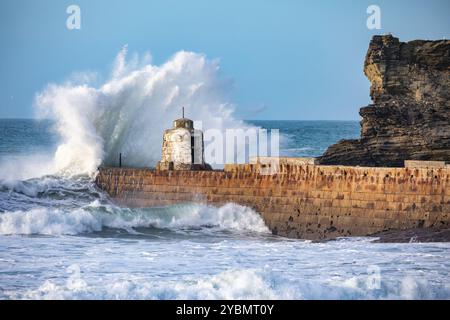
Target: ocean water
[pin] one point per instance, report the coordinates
(309, 138)
(61, 238)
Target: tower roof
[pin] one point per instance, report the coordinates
(183, 122)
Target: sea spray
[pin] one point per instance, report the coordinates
(128, 113)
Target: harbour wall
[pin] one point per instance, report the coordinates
(304, 201)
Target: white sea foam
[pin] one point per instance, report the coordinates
(232, 284)
(48, 221)
(236, 284)
(128, 113)
(229, 216)
(95, 217)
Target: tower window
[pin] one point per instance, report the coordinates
(192, 148)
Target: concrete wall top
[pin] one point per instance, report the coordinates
(299, 171)
(424, 164)
(283, 160)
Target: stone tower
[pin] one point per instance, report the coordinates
(183, 147)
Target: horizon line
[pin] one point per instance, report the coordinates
(15, 118)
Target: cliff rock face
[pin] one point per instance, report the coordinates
(410, 114)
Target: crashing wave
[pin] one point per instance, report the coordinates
(95, 217)
(128, 113)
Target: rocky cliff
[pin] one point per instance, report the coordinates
(410, 114)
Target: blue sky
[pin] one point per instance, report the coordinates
(287, 59)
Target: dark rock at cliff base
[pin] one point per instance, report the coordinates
(410, 114)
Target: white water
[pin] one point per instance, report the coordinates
(128, 113)
(218, 267)
(95, 217)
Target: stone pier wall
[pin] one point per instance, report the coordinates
(300, 201)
